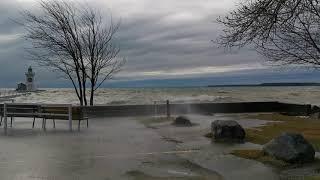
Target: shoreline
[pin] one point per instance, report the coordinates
(269, 85)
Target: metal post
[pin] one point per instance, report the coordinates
(70, 117)
(12, 118)
(155, 108)
(168, 109)
(5, 118)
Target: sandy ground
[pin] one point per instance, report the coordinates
(123, 148)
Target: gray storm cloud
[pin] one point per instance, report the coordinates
(159, 38)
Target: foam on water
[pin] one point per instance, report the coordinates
(114, 96)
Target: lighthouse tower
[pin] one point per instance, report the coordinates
(30, 80)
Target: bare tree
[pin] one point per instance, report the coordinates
(75, 40)
(284, 31)
(101, 53)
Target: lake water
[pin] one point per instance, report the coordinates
(118, 96)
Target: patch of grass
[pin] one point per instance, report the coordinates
(258, 155)
(312, 178)
(209, 135)
(248, 154)
(309, 128)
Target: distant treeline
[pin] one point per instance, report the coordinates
(268, 84)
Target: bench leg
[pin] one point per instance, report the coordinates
(45, 124)
(34, 119)
(54, 123)
(79, 125)
(87, 122)
(11, 122)
(1, 121)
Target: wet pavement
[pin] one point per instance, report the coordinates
(216, 156)
(123, 148)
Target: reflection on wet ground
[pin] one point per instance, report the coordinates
(123, 148)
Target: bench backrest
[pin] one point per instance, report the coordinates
(61, 112)
(20, 108)
(48, 111)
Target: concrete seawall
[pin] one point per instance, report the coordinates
(201, 108)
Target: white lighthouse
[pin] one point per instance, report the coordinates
(30, 80)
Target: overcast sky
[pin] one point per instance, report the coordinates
(160, 39)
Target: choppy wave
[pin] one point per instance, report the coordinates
(113, 96)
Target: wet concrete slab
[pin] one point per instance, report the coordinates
(111, 148)
(125, 148)
(106, 150)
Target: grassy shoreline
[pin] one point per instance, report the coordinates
(308, 127)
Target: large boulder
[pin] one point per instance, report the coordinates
(227, 131)
(315, 109)
(315, 112)
(182, 121)
(290, 147)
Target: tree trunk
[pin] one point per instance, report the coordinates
(76, 90)
(92, 94)
(80, 87)
(81, 100)
(84, 92)
(91, 98)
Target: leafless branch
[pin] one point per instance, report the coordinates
(284, 31)
(76, 41)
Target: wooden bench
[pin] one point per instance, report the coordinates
(43, 111)
(20, 110)
(61, 112)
